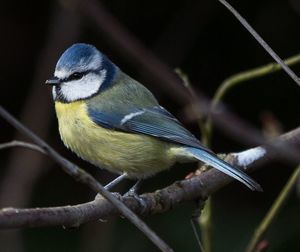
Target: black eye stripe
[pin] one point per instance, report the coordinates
(78, 75)
(75, 76)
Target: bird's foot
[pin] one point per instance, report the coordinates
(133, 192)
(135, 188)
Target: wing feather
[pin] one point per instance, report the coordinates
(155, 121)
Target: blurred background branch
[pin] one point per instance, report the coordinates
(243, 77)
(59, 35)
(261, 41)
(16, 143)
(263, 227)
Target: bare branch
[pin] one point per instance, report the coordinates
(198, 187)
(261, 41)
(85, 178)
(274, 210)
(129, 47)
(241, 78)
(16, 143)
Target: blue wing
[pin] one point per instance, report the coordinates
(155, 121)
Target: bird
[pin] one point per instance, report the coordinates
(114, 122)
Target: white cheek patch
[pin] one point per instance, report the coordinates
(87, 86)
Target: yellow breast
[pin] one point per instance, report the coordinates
(138, 155)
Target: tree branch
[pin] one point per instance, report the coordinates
(198, 187)
(261, 41)
(16, 143)
(241, 78)
(274, 210)
(85, 178)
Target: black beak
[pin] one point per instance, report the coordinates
(53, 81)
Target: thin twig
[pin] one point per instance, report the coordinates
(261, 41)
(273, 212)
(186, 83)
(84, 177)
(195, 224)
(193, 94)
(16, 143)
(242, 77)
(203, 220)
(250, 74)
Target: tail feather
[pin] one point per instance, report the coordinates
(214, 161)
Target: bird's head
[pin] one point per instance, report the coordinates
(81, 72)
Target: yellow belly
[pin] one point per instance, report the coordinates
(137, 155)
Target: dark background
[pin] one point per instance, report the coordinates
(209, 45)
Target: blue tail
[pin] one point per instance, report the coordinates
(212, 160)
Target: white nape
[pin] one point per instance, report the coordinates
(247, 157)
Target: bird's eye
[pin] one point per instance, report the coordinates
(75, 76)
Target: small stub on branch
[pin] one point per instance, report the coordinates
(247, 157)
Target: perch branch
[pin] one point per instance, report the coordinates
(198, 187)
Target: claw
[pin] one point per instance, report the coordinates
(133, 193)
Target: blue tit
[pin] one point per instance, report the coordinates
(112, 121)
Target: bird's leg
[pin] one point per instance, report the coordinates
(116, 181)
(132, 192)
(112, 184)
